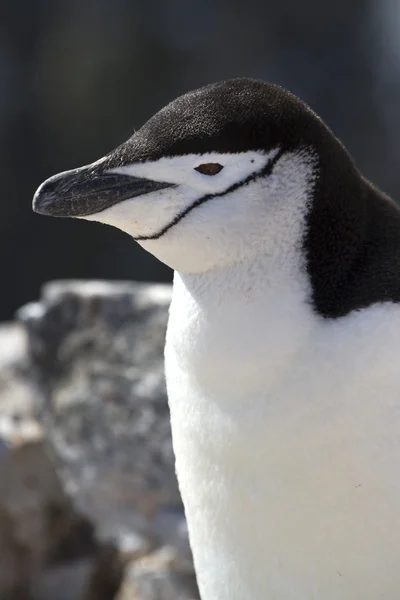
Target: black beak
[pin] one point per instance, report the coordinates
(86, 191)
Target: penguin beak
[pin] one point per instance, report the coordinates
(87, 191)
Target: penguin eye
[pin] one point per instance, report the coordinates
(209, 168)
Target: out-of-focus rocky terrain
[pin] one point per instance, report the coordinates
(89, 503)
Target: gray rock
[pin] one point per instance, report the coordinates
(159, 576)
(18, 422)
(38, 525)
(97, 358)
(65, 581)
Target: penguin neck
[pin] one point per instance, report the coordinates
(263, 274)
(222, 322)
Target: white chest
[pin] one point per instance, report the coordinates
(286, 432)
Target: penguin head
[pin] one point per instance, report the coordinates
(221, 173)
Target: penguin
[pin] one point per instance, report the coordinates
(282, 353)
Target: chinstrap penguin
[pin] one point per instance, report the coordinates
(283, 345)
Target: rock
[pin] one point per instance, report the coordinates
(88, 366)
(96, 352)
(38, 525)
(18, 422)
(106, 577)
(159, 576)
(65, 581)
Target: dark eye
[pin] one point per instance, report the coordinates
(209, 168)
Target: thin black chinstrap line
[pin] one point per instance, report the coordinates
(265, 171)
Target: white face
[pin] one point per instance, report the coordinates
(218, 230)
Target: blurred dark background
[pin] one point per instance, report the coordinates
(77, 76)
